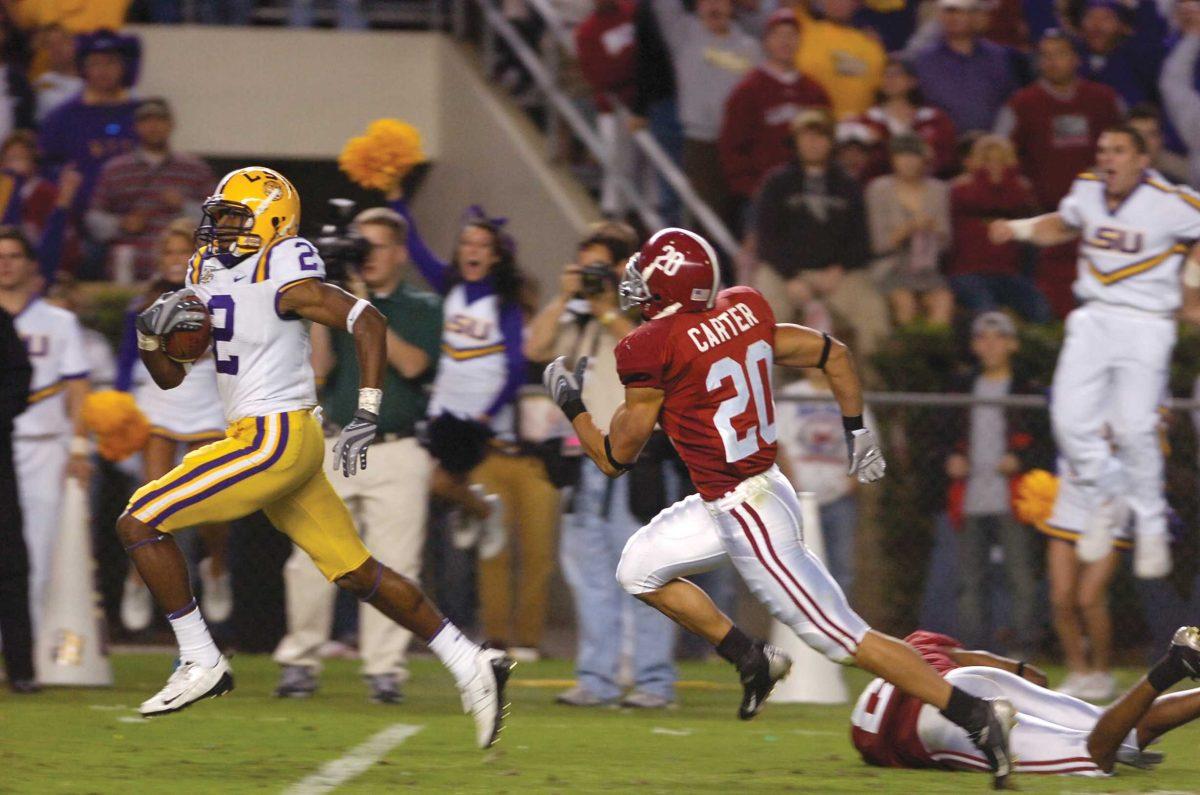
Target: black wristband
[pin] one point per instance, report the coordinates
(573, 408)
(617, 465)
(1021, 668)
(852, 424)
(825, 352)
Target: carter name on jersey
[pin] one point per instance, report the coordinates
(734, 321)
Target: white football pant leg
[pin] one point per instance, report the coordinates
(41, 465)
(760, 528)
(682, 540)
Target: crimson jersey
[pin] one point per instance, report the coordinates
(715, 368)
(884, 723)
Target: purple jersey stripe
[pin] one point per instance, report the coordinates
(238, 478)
(204, 468)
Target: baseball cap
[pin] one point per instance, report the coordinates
(959, 5)
(994, 321)
(156, 106)
(813, 119)
(781, 16)
(855, 132)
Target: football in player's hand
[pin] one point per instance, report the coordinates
(187, 344)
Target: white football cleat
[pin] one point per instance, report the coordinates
(1098, 687)
(216, 599)
(1074, 684)
(1152, 556)
(483, 696)
(189, 683)
(137, 605)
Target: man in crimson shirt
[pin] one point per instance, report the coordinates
(1055, 733)
(604, 43)
(756, 133)
(1055, 123)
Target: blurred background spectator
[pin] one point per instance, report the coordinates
(846, 61)
(966, 75)
(812, 236)
(18, 108)
(655, 97)
(984, 275)
(900, 108)
(56, 77)
(1120, 52)
(1181, 98)
(909, 215)
(1148, 121)
(15, 624)
(756, 132)
(85, 17)
(140, 192)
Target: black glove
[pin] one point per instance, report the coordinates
(350, 450)
(566, 387)
(165, 315)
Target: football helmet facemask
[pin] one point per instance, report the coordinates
(251, 207)
(675, 271)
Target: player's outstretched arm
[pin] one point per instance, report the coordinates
(1043, 230)
(632, 423)
(334, 307)
(800, 346)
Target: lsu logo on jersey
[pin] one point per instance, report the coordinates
(668, 262)
(1113, 239)
(469, 326)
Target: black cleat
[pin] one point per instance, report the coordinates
(296, 681)
(385, 689)
(759, 676)
(993, 739)
(1185, 646)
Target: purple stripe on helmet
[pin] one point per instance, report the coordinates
(231, 481)
(203, 468)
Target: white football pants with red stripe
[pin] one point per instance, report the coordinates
(1050, 736)
(757, 526)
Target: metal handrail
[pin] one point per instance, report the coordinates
(663, 164)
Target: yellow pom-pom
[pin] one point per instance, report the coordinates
(379, 158)
(120, 427)
(1033, 500)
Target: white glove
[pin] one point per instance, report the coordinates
(566, 387)
(167, 314)
(350, 450)
(866, 459)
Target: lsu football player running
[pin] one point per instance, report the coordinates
(260, 282)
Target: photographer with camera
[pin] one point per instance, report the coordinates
(583, 320)
(389, 499)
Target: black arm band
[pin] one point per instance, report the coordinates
(617, 465)
(825, 352)
(573, 408)
(852, 424)
(1021, 668)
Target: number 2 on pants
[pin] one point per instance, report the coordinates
(223, 332)
(751, 379)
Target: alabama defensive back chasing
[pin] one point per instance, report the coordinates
(1135, 231)
(701, 366)
(259, 282)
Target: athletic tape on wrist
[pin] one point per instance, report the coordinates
(147, 342)
(80, 445)
(852, 424)
(1191, 273)
(355, 311)
(1022, 229)
(369, 399)
(573, 408)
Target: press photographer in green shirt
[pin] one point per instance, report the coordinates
(388, 500)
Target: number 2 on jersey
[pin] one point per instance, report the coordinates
(223, 332)
(751, 379)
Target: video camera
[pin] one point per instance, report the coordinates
(342, 248)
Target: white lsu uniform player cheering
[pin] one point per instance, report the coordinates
(260, 283)
(1135, 231)
(43, 444)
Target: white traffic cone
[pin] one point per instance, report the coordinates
(70, 648)
(814, 679)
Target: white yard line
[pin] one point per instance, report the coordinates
(354, 762)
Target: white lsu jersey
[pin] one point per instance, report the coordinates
(262, 357)
(1131, 256)
(473, 367)
(54, 341)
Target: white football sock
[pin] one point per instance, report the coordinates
(455, 651)
(195, 644)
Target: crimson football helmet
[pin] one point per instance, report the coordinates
(675, 271)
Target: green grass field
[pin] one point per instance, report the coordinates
(91, 741)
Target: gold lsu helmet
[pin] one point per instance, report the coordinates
(251, 207)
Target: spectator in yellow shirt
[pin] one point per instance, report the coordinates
(847, 62)
(76, 16)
